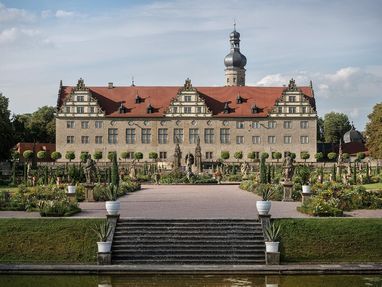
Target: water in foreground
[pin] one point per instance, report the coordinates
(192, 281)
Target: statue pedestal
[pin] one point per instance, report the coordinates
(89, 194)
(288, 188)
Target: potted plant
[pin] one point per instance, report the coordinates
(304, 173)
(272, 234)
(264, 206)
(112, 205)
(103, 231)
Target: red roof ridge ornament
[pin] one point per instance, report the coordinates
(292, 87)
(80, 85)
(187, 86)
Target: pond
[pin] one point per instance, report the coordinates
(191, 281)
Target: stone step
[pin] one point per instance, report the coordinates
(196, 257)
(190, 245)
(183, 251)
(188, 233)
(191, 262)
(179, 237)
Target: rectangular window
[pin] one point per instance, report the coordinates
(240, 125)
(98, 139)
(256, 140)
(80, 110)
(162, 155)
(209, 155)
(193, 135)
(224, 136)
(178, 135)
(187, 110)
(80, 98)
(271, 139)
(70, 139)
(279, 110)
(257, 154)
(292, 110)
(84, 125)
(130, 155)
(287, 124)
(92, 110)
(271, 125)
(199, 110)
(292, 99)
(209, 136)
(303, 110)
(112, 136)
(67, 109)
(175, 110)
(146, 136)
(304, 124)
(287, 139)
(84, 139)
(162, 136)
(130, 136)
(239, 139)
(98, 124)
(187, 98)
(256, 125)
(304, 139)
(70, 124)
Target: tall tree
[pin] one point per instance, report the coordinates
(374, 132)
(320, 130)
(335, 126)
(6, 130)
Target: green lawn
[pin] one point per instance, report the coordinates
(42, 241)
(331, 240)
(372, 186)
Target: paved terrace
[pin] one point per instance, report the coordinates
(191, 201)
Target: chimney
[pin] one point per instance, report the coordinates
(110, 85)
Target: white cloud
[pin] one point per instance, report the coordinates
(13, 34)
(64, 14)
(14, 15)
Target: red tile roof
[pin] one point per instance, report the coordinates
(160, 97)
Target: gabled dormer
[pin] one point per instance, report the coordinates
(188, 103)
(80, 103)
(293, 103)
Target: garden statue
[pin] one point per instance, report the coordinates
(177, 157)
(288, 168)
(244, 170)
(156, 177)
(132, 171)
(189, 163)
(90, 170)
(198, 157)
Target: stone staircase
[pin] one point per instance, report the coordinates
(188, 241)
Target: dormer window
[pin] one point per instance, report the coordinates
(226, 109)
(138, 99)
(239, 100)
(150, 109)
(254, 109)
(122, 109)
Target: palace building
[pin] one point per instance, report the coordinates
(232, 118)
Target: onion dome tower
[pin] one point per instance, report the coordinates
(235, 62)
(353, 136)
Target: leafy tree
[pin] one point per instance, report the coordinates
(320, 130)
(263, 170)
(264, 155)
(361, 156)
(252, 155)
(345, 156)
(153, 155)
(319, 156)
(6, 130)
(374, 132)
(41, 154)
(97, 155)
(28, 154)
(84, 156)
(332, 155)
(335, 126)
(110, 155)
(292, 155)
(224, 155)
(70, 155)
(305, 155)
(55, 155)
(238, 155)
(124, 155)
(277, 155)
(138, 155)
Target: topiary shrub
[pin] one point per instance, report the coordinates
(70, 155)
(224, 155)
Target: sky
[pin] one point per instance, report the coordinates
(336, 44)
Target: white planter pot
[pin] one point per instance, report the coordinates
(71, 189)
(113, 207)
(271, 285)
(271, 246)
(306, 189)
(263, 207)
(104, 246)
